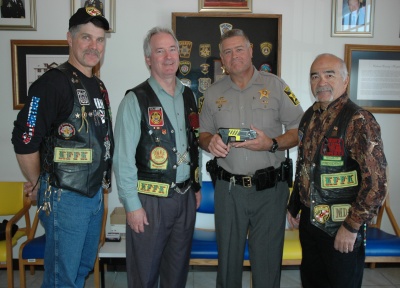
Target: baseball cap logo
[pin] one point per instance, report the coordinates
(92, 11)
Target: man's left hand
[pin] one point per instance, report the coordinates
(344, 240)
(258, 144)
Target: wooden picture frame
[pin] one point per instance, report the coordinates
(199, 35)
(359, 23)
(374, 72)
(108, 10)
(238, 6)
(26, 23)
(30, 59)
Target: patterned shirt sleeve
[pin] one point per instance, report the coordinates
(363, 140)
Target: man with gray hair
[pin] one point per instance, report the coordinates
(251, 192)
(340, 180)
(157, 168)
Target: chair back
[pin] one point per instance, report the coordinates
(12, 198)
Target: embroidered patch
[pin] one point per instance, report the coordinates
(99, 103)
(31, 120)
(291, 96)
(321, 213)
(340, 212)
(72, 155)
(82, 97)
(156, 116)
(205, 50)
(204, 83)
(153, 188)
(66, 130)
(158, 158)
(339, 180)
(332, 147)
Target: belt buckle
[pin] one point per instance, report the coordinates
(246, 181)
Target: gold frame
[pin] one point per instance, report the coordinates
(356, 52)
(27, 23)
(109, 11)
(341, 30)
(20, 49)
(225, 6)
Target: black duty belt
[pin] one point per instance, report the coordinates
(268, 177)
(183, 184)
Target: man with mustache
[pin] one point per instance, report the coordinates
(340, 180)
(63, 142)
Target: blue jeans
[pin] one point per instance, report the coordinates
(72, 235)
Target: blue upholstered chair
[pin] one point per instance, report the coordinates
(381, 246)
(204, 245)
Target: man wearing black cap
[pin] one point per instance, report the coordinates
(63, 141)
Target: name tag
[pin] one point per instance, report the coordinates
(153, 188)
(72, 155)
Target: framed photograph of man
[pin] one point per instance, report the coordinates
(240, 6)
(18, 15)
(107, 7)
(353, 18)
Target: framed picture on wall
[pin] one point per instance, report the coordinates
(200, 64)
(107, 7)
(240, 6)
(353, 18)
(374, 72)
(32, 58)
(18, 15)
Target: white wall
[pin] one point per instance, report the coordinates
(305, 33)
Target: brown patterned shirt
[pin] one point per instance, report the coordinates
(364, 143)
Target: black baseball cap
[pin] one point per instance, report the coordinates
(85, 15)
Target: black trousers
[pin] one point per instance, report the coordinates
(322, 265)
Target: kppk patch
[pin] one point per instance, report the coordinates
(291, 96)
(321, 213)
(156, 116)
(153, 188)
(339, 180)
(72, 155)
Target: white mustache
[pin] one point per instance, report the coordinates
(323, 89)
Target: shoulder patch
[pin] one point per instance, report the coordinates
(291, 96)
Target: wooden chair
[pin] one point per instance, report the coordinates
(31, 252)
(16, 205)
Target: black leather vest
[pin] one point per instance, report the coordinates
(335, 177)
(77, 154)
(164, 137)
